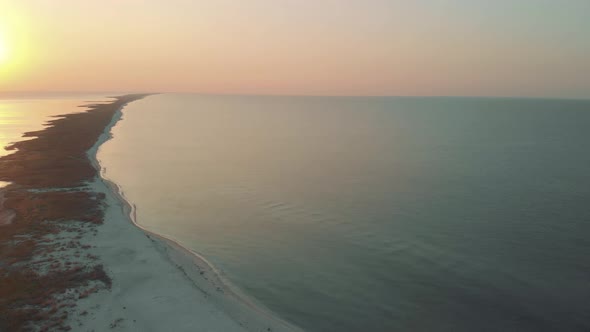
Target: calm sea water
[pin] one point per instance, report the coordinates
(374, 214)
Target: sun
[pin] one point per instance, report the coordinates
(15, 44)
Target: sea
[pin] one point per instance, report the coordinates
(372, 213)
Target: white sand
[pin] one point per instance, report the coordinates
(157, 284)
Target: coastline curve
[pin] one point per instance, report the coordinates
(203, 274)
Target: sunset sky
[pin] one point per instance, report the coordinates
(319, 47)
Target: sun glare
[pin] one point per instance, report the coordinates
(13, 45)
(3, 50)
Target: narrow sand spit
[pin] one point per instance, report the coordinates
(47, 209)
(71, 257)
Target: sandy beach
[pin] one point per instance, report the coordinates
(73, 258)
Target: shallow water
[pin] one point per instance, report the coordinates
(373, 214)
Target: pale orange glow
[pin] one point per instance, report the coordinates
(330, 47)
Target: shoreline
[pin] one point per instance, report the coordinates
(72, 257)
(203, 275)
(71, 260)
(46, 263)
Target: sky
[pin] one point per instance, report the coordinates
(531, 48)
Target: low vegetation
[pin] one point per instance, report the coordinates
(44, 268)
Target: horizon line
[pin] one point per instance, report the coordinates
(121, 92)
